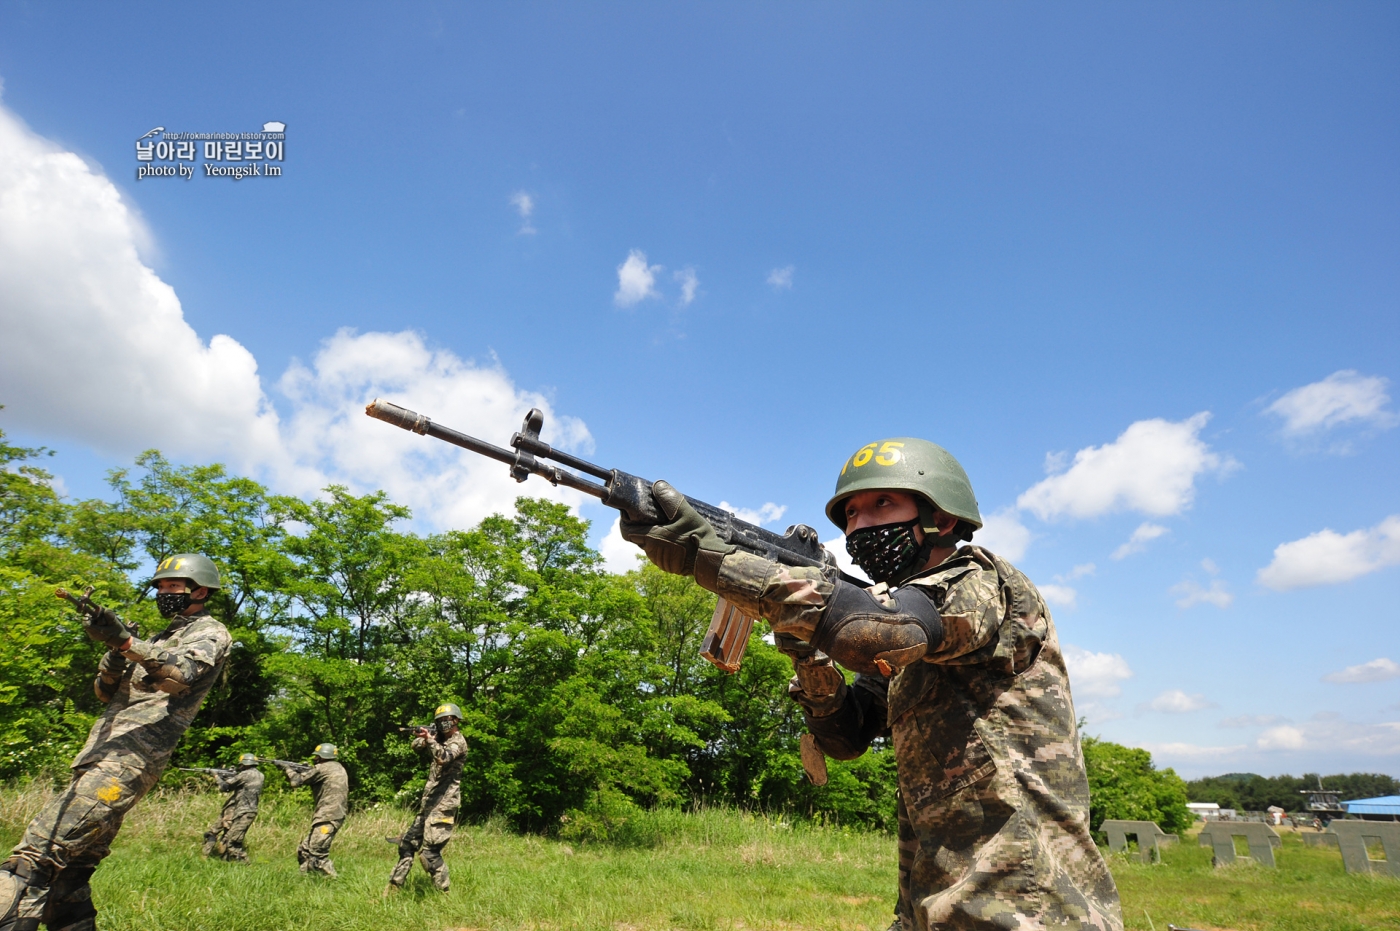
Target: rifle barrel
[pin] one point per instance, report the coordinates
(415, 422)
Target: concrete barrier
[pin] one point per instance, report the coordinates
(1353, 836)
(1148, 835)
(1220, 836)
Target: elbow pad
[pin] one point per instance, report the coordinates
(870, 636)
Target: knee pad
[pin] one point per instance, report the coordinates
(432, 859)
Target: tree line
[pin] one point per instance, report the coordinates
(583, 692)
(1251, 792)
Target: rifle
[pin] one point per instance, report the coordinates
(415, 728)
(728, 635)
(285, 765)
(86, 606)
(205, 769)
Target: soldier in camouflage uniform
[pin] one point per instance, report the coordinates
(239, 812)
(330, 790)
(957, 659)
(442, 796)
(152, 689)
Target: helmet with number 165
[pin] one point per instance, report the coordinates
(908, 464)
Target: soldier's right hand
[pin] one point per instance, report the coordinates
(105, 627)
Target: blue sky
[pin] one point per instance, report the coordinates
(1135, 267)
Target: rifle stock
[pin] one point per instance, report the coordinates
(728, 634)
(208, 769)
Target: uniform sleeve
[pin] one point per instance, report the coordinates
(444, 753)
(176, 669)
(791, 598)
(109, 675)
(972, 607)
(306, 777)
(859, 718)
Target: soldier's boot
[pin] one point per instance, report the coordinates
(211, 841)
(70, 905)
(328, 868)
(431, 858)
(401, 869)
(19, 880)
(235, 853)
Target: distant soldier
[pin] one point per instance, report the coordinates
(152, 689)
(330, 789)
(442, 796)
(226, 838)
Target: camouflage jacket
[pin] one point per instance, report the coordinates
(246, 786)
(148, 711)
(994, 797)
(443, 793)
(330, 789)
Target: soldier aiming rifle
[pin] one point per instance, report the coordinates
(956, 656)
(437, 807)
(330, 791)
(152, 689)
(244, 785)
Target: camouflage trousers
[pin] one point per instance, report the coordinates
(66, 841)
(314, 852)
(426, 837)
(225, 839)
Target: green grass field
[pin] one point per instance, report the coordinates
(714, 869)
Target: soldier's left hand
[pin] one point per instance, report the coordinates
(106, 627)
(676, 545)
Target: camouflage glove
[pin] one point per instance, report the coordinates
(686, 545)
(105, 627)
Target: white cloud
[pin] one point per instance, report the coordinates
(1151, 468)
(1193, 594)
(94, 345)
(1144, 534)
(525, 205)
(636, 280)
(1324, 735)
(689, 284)
(1078, 572)
(1377, 670)
(329, 438)
(1340, 398)
(1096, 674)
(1210, 566)
(71, 276)
(619, 556)
(1282, 737)
(1167, 751)
(1252, 720)
(1175, 701)
(1004, 534)
(1061, 595)
(1328, 557)
(768, 513)
(780, 279)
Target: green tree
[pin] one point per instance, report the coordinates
(1123, 784)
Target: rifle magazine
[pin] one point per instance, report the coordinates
(727, 638)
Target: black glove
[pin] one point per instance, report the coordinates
(105, 627)
(686, 545)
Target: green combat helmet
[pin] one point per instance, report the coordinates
(326, 751)
(447, 710)
(198, 569)
(905, 463)
(247, 759)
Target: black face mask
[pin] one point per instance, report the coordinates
(170, 604)
(444, 727)
(889, 553)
